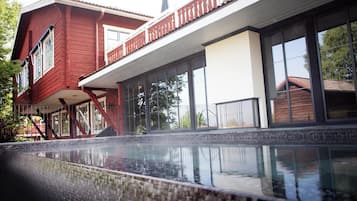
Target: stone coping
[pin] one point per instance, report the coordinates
(331, 135)
(59, 178)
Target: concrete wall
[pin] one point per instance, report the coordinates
(235, 71)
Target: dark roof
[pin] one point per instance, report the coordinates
(329, 85)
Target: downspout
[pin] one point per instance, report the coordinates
(97, 39)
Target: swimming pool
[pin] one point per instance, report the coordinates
(288, 172)
(267, 164)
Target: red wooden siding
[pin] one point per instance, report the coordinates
(135, 43)
(82, 45)
(40, 20)
(162, 28)
(195, 9)
(115, 54)
(75, 46)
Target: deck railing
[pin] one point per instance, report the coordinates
(163, 25)
(238, 114)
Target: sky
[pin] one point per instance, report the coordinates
(149, 7)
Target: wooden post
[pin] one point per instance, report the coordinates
(100, 109)
(37, 128)
(72, 117)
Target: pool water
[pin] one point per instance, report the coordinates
(290, 172)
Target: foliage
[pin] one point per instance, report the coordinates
(163, 101)
(335, 54)
(200, 120)
(21, 139)
(8, 19)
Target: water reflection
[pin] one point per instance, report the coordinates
(294, 173)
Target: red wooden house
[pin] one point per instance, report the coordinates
(59, 41)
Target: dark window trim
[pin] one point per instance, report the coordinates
(190, 63)
(318, 97)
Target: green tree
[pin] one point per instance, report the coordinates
(9, 12)
(200, 120)
(336, 61)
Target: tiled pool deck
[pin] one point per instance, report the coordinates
(324, 135)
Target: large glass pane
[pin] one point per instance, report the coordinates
(98, 122)
(55, 123)
(199, 83)
(337, 74)
(154, 94)
(139, 108)
(83, 117)
(48, 52)
(279, 99)
(65, 124)
(129, 109)
(171, 99)
(299, 80)
(288, 73)
(183, 100)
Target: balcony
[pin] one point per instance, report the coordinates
(165, 24)
(187, 30)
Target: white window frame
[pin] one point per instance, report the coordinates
(59, 122)
(121, 39)
(86, 118)
(93, 108)
(37, 68)
(60, 126)
(23, 83)
(50, 36)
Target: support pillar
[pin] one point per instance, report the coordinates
(37, 128)
(47, 119)
(120, 110)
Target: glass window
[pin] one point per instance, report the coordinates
(23, 79)
(114, 38)
(25, 76)
(56, 123)
(288, 72)
(135, 110)
(48, 52)
(336, 65)
(199, 83)
(65, 131)
(37, 63)
(159, 100)
(172, 101)
(98, 122)
(83, 118)
(169, 99)
(183, 100)
(19, 83)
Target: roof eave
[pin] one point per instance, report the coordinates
(88, 6)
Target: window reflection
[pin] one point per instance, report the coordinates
(166, 93)
(200, 98)
(337, 66)
(290, 91)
